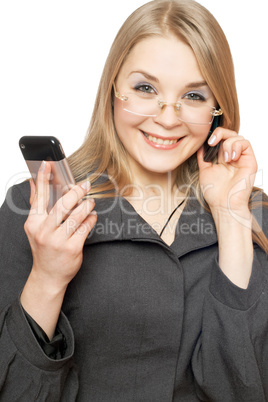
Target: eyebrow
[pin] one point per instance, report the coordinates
(196, 84)
(146, 75)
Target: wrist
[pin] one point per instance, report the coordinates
(42, 300)
(241, 217)
(46, 283)
(235, 244)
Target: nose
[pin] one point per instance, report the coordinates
(167, 117)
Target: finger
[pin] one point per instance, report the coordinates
(77, 217)
(234, 149)
(220, 134)
(226, 141)
(65, 204)
(228, 149)
(33, 191)
(238, 148)
(84, 230)
(41, 197)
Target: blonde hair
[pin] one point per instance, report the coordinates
(102, 152)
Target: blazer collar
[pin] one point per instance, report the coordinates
(118, 220)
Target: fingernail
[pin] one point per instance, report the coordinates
(226, 156)
(212, 139)
(233, 155)
(43, 166)
(86, 185)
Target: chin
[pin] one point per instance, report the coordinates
(161, 168)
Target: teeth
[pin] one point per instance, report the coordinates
(159, 141)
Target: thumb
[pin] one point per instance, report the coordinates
(41, 191)
(200, 159)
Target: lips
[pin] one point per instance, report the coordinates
(160, 142)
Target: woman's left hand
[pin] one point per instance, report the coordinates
(228, 184)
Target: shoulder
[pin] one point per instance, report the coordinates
(17, 199)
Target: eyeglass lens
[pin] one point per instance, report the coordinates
(194, 112)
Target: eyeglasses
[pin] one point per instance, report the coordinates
(192, 111)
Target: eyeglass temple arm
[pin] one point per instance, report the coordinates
(217, 112)
(117, 94)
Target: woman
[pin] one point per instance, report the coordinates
(161, 293)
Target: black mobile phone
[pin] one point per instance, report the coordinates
(211, 152)
(36, 149)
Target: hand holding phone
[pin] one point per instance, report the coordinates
(35, 149)
(56, 240)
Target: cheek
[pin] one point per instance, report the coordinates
(200, 133)
(125, 121)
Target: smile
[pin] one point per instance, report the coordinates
(158, 142)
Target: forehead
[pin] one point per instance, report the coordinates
(167, 58)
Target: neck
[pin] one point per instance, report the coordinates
(155, 184)
(152, 182)
(154, 192)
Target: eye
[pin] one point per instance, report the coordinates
(145, 89)
(194, 96)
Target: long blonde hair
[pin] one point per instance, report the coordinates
(102, 153)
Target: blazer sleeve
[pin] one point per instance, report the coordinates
(230, 361)
(26, 372)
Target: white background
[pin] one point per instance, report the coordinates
(52, 55)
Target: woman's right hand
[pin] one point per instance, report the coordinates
(56, 239)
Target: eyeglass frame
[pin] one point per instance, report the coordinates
(163, 105)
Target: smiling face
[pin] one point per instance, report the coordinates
(165, 69)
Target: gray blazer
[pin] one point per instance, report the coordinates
(142, 321)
